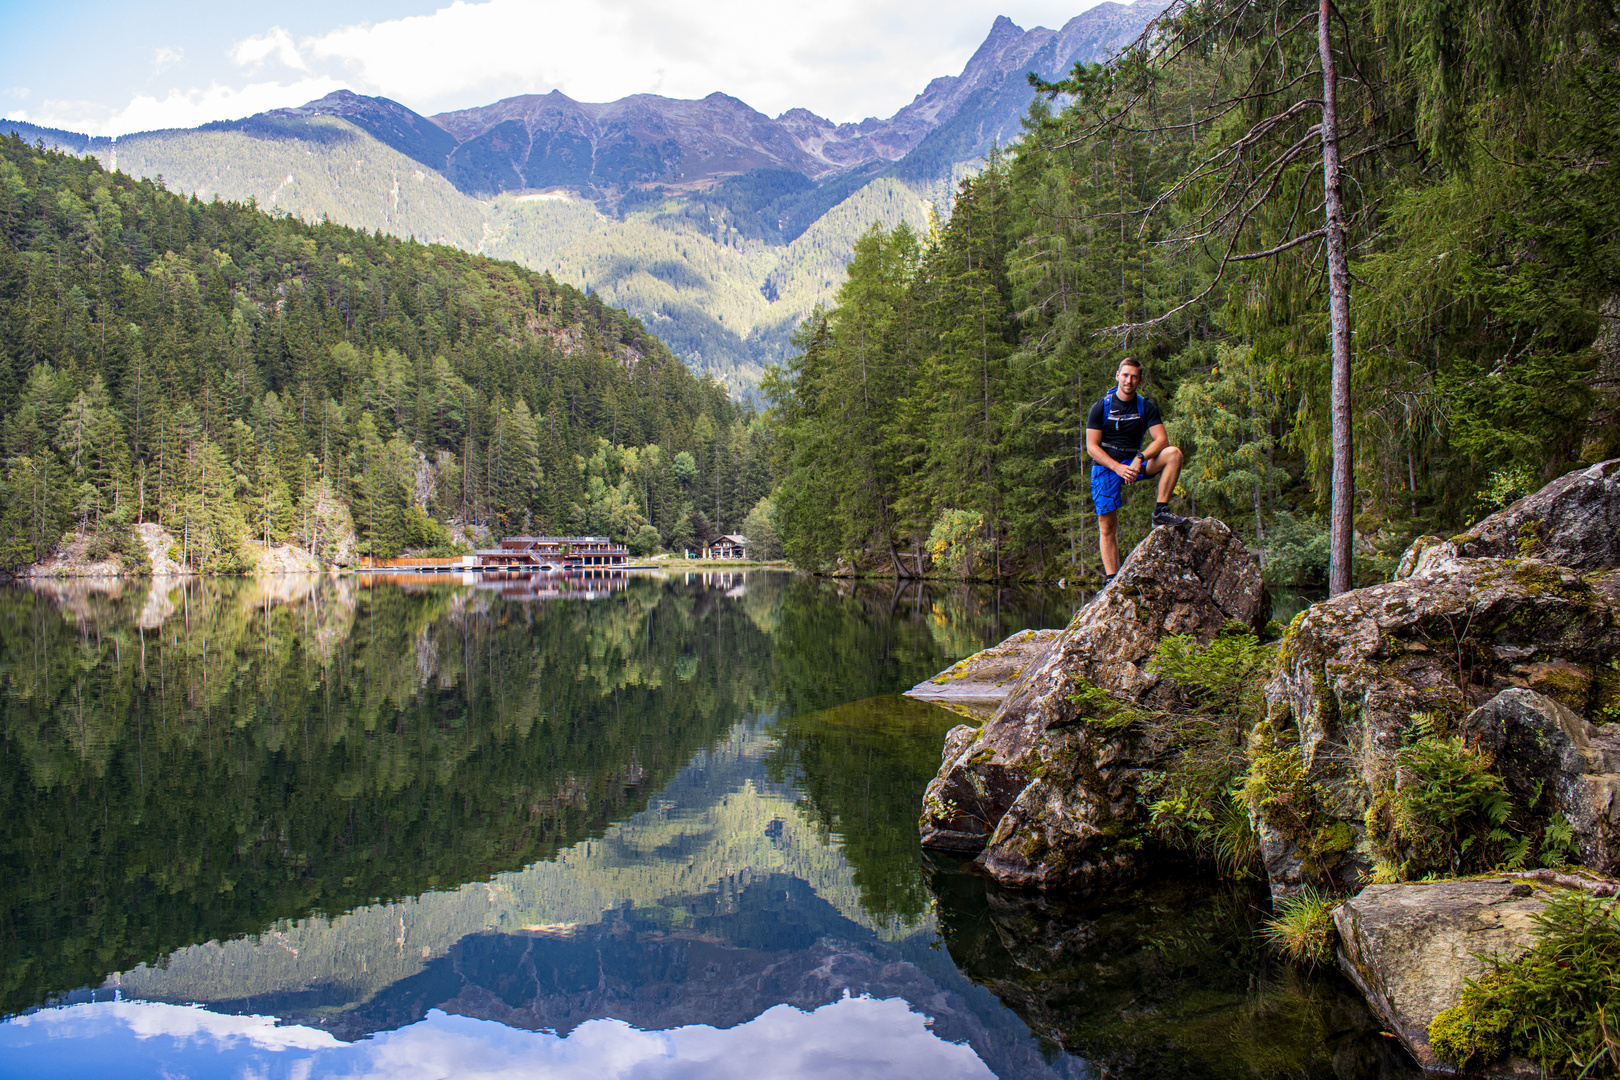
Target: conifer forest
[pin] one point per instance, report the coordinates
(1172, 206)
(241, 378)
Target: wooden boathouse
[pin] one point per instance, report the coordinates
(553, 553)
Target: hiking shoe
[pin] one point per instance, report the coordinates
(1165, 517)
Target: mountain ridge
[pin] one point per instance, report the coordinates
(717, 225)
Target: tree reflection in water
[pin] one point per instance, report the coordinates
(1164, 979)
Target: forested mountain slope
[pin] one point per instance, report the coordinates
(716, 225)
(241, 377)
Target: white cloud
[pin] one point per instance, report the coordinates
(853, 1039)
(184, 1023)
(844, 58)
(178, 108)
(165, 56)
(857, 1038)
(252, 52)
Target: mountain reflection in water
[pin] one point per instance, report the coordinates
(416, 829)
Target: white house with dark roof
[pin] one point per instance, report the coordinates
(729, 546)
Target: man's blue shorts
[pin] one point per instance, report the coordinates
(1107, 489)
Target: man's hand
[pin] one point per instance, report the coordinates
(1129, 472)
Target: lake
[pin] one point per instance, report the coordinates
(658, 826)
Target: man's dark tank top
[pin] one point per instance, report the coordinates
(1124, 425)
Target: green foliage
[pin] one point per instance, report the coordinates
(1224, 422)
(764, 541)
(1223, 678)
(1098, 708)
(1448, 811)
(645, 542)
(839, 409)
(1203, 810)
(1554, 1005)
(1302, 927)
(1297, 551)
(956, 542)
(1505, 486)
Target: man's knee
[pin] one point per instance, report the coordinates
(1106, 526)
(1171, 455)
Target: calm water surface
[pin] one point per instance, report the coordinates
(649, 828)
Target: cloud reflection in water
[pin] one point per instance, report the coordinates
(853, 1038)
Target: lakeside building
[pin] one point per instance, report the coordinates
(553, 553)
(729, 546)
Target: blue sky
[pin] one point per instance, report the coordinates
(110, 68)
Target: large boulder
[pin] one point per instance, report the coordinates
(1542, 748)
(1356, 672)
(1410, 948)
(1041, 791)
(1573, 521)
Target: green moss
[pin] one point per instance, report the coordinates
(1327, 704)
(1553, 1004)
(1540, 579)
(1569, 688)
(1528, 540)
(1278, 788)
(1464, 1033)
(1276, 785)
(1288, 641)
(1603, 706)
(1335, 838)
(982, 756)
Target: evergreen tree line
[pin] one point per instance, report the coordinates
(1168, 207)
(242, 378)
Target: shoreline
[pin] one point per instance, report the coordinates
(366, 571)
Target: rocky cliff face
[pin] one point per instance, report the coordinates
(1494, 653)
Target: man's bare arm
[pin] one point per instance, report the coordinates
(1160, 441)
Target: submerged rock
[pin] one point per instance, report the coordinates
(1039, 790)
(1410, 948)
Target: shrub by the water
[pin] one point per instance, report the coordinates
(1303, 927)
(1559, 1005)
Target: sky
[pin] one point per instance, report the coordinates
(110, 68)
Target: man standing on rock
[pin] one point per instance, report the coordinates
(1114, 431)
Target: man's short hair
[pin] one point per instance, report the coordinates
(1132, 361)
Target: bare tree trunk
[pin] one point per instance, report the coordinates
(1341, 530)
